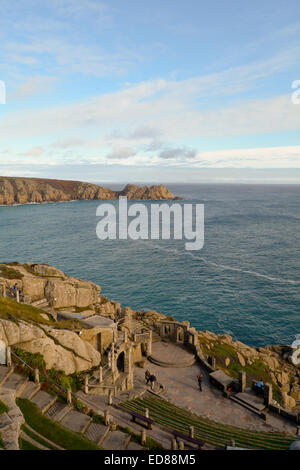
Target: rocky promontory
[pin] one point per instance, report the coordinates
(58, 316)
(38, 190)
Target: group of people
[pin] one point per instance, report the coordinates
(150, 378)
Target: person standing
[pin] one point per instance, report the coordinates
(147, 376)
(15, 290)
(200, 380)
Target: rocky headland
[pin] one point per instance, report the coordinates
(37, 190)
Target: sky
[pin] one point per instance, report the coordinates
(135, 91)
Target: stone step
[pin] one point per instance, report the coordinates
(134, 446)
(77, 422)
(249, 407)
(252, 400)
(30, 390)
(58, 411)
(116, 440)
(159, 362)
(5, 372)
(44, 400)
(96, 432)
(29, 439)
(38, 303)
(15, 382)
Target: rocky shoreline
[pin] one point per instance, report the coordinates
(53, 293)
(37, 190)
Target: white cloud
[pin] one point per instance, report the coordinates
(33, 152)
(33, 86)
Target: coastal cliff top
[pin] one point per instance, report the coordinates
(17, 190)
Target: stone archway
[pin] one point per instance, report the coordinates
(2, 352)
(121, 362)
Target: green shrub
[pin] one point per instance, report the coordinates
(9, 273)
(34, 360)
(3, 408)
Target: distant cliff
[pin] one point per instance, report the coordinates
(37, 190)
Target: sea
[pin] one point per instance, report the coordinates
(245, 281)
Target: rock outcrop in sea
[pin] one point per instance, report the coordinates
(38, 190)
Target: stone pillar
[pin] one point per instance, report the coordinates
(173, 444)
(125, 336)
(110, 397)
(149, 347)
(18, 295)
(129, 361)
(268, 394)
(232, 443)
(100, 374)
(192, 432)
(86, 385)
(8, 356)
(36, 376)
(3, 290)
(147, 412)
(115, 335)
(181, 445)
(113, 357)
(213, 362)
(69, 396)
(242, 380)
(106, 418)
(143, 437)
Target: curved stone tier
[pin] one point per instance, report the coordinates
(171, 355)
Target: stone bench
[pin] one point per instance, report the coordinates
(136, 416)
(187, 438)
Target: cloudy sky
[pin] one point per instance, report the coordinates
(160, 91)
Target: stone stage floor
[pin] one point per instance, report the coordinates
(182, 389)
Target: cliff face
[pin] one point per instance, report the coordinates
(36, 190)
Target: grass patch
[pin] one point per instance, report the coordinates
(14, 311)
(9, 273)
(220, 351)
(37, 438)
(83, 309)
(26, 445)
(56, 433)
(2, 446)
(3, 408)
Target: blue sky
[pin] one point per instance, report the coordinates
(150, 91)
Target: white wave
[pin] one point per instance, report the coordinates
(225, 267)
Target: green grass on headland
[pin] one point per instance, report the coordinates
(14, 311)
(9, 273)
